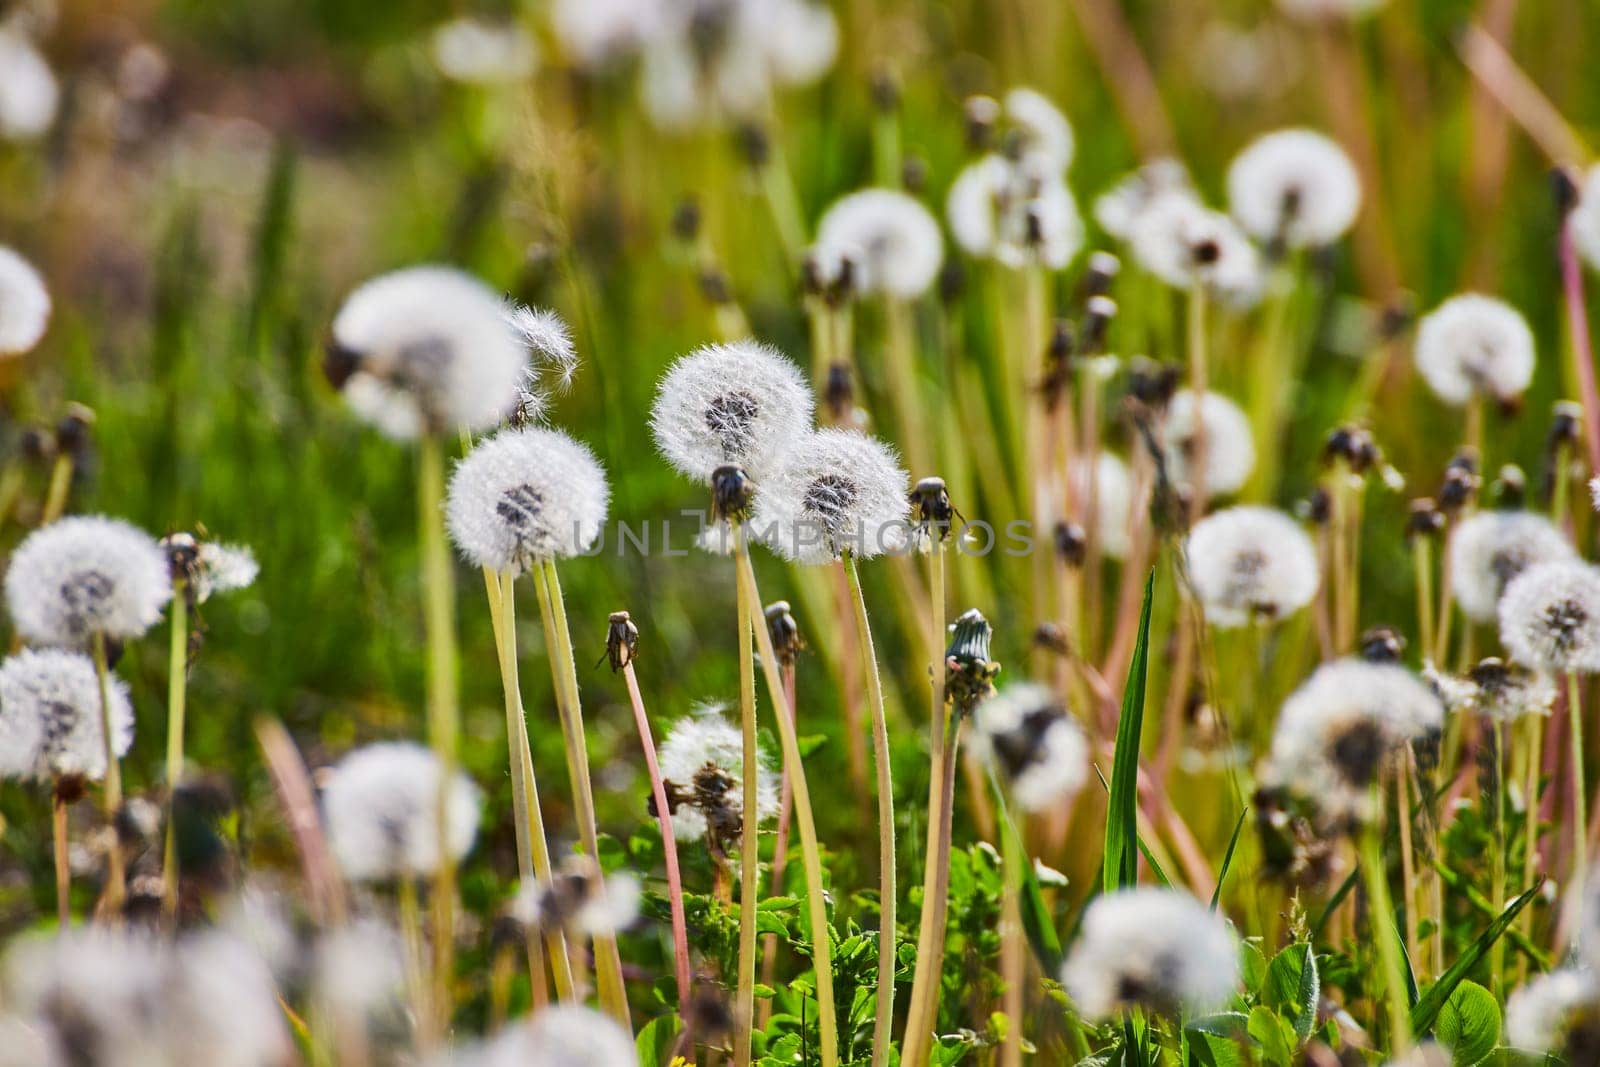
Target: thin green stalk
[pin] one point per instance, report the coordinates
(58, 837)
(533, 846)
(1422, 561)
(1199, 383)
(112, 789)
(1497, 861)
(1580, 817)
(1381, 916)
(744, 993)
(415, 966)
(438, 590)
(1013, 957)
(810, 850)
(900, 367)
(884, 1019)
(930, 955)
(55, 499)
(1530, 828)
(177, 693)
(564, 674)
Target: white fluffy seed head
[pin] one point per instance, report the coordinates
(1503, 692)
(483, 52)
(1184, 244)
(837, 491)
(1488, 549)
(1585, 218)
(548, 340)
(1230, 450)
(85, 575)
(1046, 134)
(896, 242)
(579, 901)
(1550, 617)
(595, 32)
(1541, 1015)
(1025, 733)
(216, 567)
(380, 805)
(998, 209)
(222, 1005)
(1118, 208)
(1475, 345)
(526, 495)
(29, 93)
(742, 403)
(428, 350)
(1112, 500)
(1159, 949)
(1336, 732)
(24, 302)
(50, 716)
(703, 757)
(1251, 563)
(1296, 187)
(565, 1035)
(359, 968)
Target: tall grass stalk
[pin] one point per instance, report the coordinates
(564, 677)
(884, 1017)
(744, 991)
(177, 693)
(1380, 914)
(810, 849)
(1582, 347)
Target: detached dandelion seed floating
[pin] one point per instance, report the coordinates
(837, 491)
(24, 300)
(526, 495)
(1488, 549)
(1294, 188)
(1556, 1013)
(1251, 563)
(426, 351)
(84, 576)
(1159, 949)
(1027, 735)
(741, 404)
(702, 762)
(380, 807)
(1473, 345)
(1230, 451)
(29, 92)
(892, 239)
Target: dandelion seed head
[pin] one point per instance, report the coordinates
(1230, 451)
(427, 350)
(483, 52)
(85, 575)
(1113, 500)
(1118, 209)
(24, 300)
(1474, 345)
(742, 404)
(549, 342)
(1541, 1015)
(1585, 217)
(29, 92)
(50, 723)
(1027, 735)
(563, 1035)
(706, 739)
(210, 567)
(1337, 730)
(801, 38)
(1047, 140)
(359, 967)
(580, 901)
(102, 989)
(897, 240)
(523, 496)
(996, 209)
(593, 33)
(837, 491)
(1488, 549)
(1251, 563)
(1294, 186)
(1159, 949)
(222, 1005)
(380, 808)
(1184, 244)
(1496, 690)
(1550, 617)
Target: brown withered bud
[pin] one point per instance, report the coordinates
(930, 504)
(339, 363)
(1317, 507)
(1152, 383)
(1425, 519)
(1396, 317)
(1461, 482)
(1071, 543)
(839, 393)
(1101, 271)
(952, 281)
(74, 429)
(785, 633)
(1566, 421)
(754, 144)
(1050, 637)
(37, 443)
(982, 115)
(1097, 315)
(885, 90)
(686, 219)
(1565, 189)
(731, 492)
(622, 640)
(1381, 644)
(914, 174)
(714, 286)
(1354, 447)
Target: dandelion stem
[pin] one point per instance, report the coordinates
(930, 952)
(1497, 861)
(533, 846)
(58, 836)
(1580, 820)
(112, 790)
(415, 967)
(1422, 560)
(177, 693)
(55, 499)
(886, 850)
(564, 676)
(1381, 917)
(1530, 828)
(900, 366)
(744, 1004)
(438, 588)
(810, 850)
(780, 857)
(1408, 870)
(1013, 960)
(1198, 383)
(1582, 349)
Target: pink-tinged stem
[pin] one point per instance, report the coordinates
(669, 845)
(1582, 349)
(325, 892)
(780, 861)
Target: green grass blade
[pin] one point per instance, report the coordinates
(1122, 830)
(1427, 1009)
(1227, 860)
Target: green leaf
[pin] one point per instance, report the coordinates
(1432, 1002)
(1252, 966)
(1155, 868)
(1209, 1050)
(1275, 1036)
(1227, 859)
(1121, 852)
(655, 1041)
(1469, 1024)
(1293, 986)
(1333, 904)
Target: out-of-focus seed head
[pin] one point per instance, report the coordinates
(380, 806)
(1230, 451)
(24, 301)
(1510, 488)
(1293, 189)
(1027, 736)
(1381, 644)
(1489, 549)
(1251, 563)
(1475, 345)
(896, 241)
(1425, 519)
(702, 763)
(982, 115)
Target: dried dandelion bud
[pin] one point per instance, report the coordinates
(622, 640)
(1425, 519)
(1101, 271)
(839, 393)
(982, 116)
(1071, 543)
(785, 633)
(1381, 644)
(969, 672)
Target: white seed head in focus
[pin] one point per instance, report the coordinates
(84, 575)
(1475, 345)
(1550, 617)
(50, 723)
(703, 757)
(837, 491)
(1488, 549)
(1251, 562)
(24, 302)
(743, 404)
(1294, 186)
(897, 240)
(1027, 735)
(1159, 949)
(381, 809)
(523, 496)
